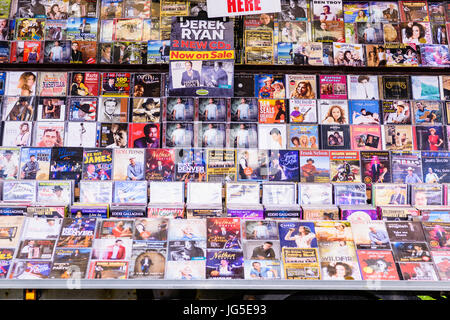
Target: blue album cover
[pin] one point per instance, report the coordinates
(84, 29)
(295, 234)
(4, 52)
(66, 163)
(436, 167)
(283, 165)
(224, 264)
(35, 163)
(2, 82)
(158, 51)
(284, 53)
(130, 192)
(425, 87)
(364, 111)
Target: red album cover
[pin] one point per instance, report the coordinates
(84, 84)
(144, 135)
(377, 265)
(223, 233)
(272, 111)
(160, 164)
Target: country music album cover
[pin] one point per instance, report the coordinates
(260, 230)
(145, 109)
(402, 55)
(377, 265)
(434, 215)
(212, 135)
(179, 109)
(187, 229)
(24, 51)
(272, 111)
(83, 52)
(242, 135)
(395, 87)
(425, 87)
(297, 234)
(112, 249)
(437, 235)
(339, 261)
(79, 134)
(350, 33)
(347, 54)
(293, 31)
(344, 166)
(262, 250)
(363, 87)
(272, 136)
(56, 29)
(70, 263)
(160, 164)
(106, 30)
(441, 262)
(113, 135)
(111, 9)
(390, 194)
(405, 231)
(84, 84)
(35, 163)
(112, 109)
(158, 51)
(9, 157)
(261, 269)
(434, 55)
(97, 164)
(21, 83)
(284, 53)
(439, 33)
(212, 109)
(427, 112)
(144, 135)
(279, 194)
(127, 52)
(30, 269)
(185, 270)
(375, 55)
(178, 134)
(17, 133)
(328, 31)
(384, 11)
(303, 137)
(190, 165)
(57, 51)
(365, 137)
(435, 167)
(363, 112)
(416, 32)
(66, 163)
(49, 134)
(115, 229)
(130, 192)
(128, 164)
(244, 85)
(148, 260)
(370, 235)
(19, 108)
(391, 33)
(327, 10)
(147, 84)
(82, 29)
(418, 271)
(396, 111)
(333, 231)
(82, 109)
(7, 255)
(270, 86)
(96, 192)
(115, 84)
(223, 233)
(413, 11)
(350, 194)
(406, 167)
(51, 108)
(333, 112)
(19, 191)
(77, 233)
(242, 109)
(128, 29)
(411, 252)
(333, 86)
(186, 250)
(426, 194)
(154, 229)
(302, 111)
(10, 230)
(252, 165)
(301, 263)
(224, 264)
(151, 31)
(108, 269)
(356, 12)
(444, 86)
(375, 167)
(36, 249)
(316, 194)
(30, 29)
(4, 51)
(283, 165)
(334, 137)
(429, 138)
(309, 53)
(397, 137)
(301, 86)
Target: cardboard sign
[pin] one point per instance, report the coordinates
(228, 8)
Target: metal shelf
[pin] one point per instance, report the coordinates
(359, 285)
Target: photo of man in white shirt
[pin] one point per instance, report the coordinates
(178, 136)
(178, 110)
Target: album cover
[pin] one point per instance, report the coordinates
(30, 269)
(224, 264)
(375, 167)
(19, 191)
(160, 164)
(430, 138)
(339, 261)
(301, 86)
(377, 265)
(333, 86)
(212, 135)
(272, 111)
(79, 134)
(425, 87)
(444, 86)
(345, 166)
(426, 194)
(328, 31)
(212, 109)
(334, 137)
(327, 10)
(21, 83)
(185, 270)
(57, 51)
(262, 250)
(285, 53)
(348, 54)
(66, 163)
(375, 55)
(19, 108)
(350, 194)
(435, 167)
(310, 53)
(283, 165)
(362, 87)
(396, 112)
(269, 86)
(49, 134)
(11, 230)
(413, 11)
(384, 11)
(434, 214)
(35, 163)
(365, 137)
(405, 231)
(272, 136)
(370, 235)
(302, 111)
(391, 33)
(115, 84)
(51, 108)
(441, 260)
(396, 87)
(56, 29)
(418, 271)
(115, 229)
(186, 250)
(6, 261)
(108, 270)
(190, 165)
(144, 135)
(427, 112)
(148, 260)
(435, 55)
(437, 235)
(303, 137)
(113, 135)
(397, 137)
(36, 249)
(260, 269)
(158, 51)
(315, 194)
(147, 84)
(17, 133)
(187, 229)
(242, 135)
(30, 28)
(170, 193)
(22, 51)
(112, 109)
(112, 249)
(244, 85)
(279, 194)
(356, 12)
(96, 192)
(411, 252)
(293, 31)
(128, 164)
(178, 134)
(390, 194)
(4, 52)
(363, 112)
(406, 167)
(9, 158)
(204, 193)
(70, 263)
(82, 109)
(128, 29)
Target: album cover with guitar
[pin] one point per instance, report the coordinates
(302, 111)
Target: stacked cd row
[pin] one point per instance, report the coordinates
(223, 248)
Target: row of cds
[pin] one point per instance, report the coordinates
(223, 248)
(243, 195)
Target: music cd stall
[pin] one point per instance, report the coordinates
(145, 145)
